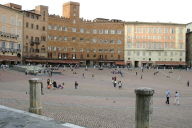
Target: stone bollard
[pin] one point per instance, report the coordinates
(143, 107)
(35, 91)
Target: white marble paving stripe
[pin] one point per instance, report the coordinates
(72, 125)
(26, 113)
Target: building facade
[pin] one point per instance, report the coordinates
(35, 33)
(189, 45)
(74, 40)
(11, 33)
(152, 44)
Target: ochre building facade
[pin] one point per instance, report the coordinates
(74, 40)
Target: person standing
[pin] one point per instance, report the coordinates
(168, 95)
(177, 95)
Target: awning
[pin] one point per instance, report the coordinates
(64, 61)
(170, 63)
(33, 60)
(9, 58)
(119, 62)
(128, 62)
(54, 61)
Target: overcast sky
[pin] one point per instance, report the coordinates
(177, 11)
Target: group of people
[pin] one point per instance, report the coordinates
(53, 84)
(4, 66)
(168, 95)
(115, 83)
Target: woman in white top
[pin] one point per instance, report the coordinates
(177, 95)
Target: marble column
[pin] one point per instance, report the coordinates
(35, 88)
(144, 107)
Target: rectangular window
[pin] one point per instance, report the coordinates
(31, 26)
(111, 50)
(165, 45)
(181, 46)
(160, 30)
(172, 30)
(73, 38)
(165, 53)
(81, 39)
(144, 44)
(112, 41)
(11, 45)
(143, 53)
(106, 31)
(12, 20)
(129, 30)
(81, 30)
(166, 30)
(94, 31)
(3, 28)
(180, 30)
(65, 38)
(49, 27)
(37, 27)
(65, 29)
(138, 44)
(3, 45)
(100, 31)
(119, 31)
(3, 19)
(119, 41)
(154, 30)
(94, 40)
(81, 50)
(18, 46)
(112, 31)
(74, 29)
(27, 24)
(128, 45)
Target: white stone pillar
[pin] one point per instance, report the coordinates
(35, 88)
(143, 107)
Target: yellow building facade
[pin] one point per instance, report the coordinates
(11, 33)
(153, 44)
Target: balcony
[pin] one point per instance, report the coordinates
(35, 42)
(8, 35)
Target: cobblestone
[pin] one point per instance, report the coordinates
(97, 104)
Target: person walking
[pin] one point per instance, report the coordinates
(76, 84)
(168, 95)
(188, 83)
(177, 95)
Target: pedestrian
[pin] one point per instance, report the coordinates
(114, 83)
(168, 95)
(136, 73)
(188, 83)
(177, 95)
(141, 76)
(83, 75)
(120, 84)
(76, 84)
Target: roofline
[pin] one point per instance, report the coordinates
(157, 23)
(31, 12)
(19, 11)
